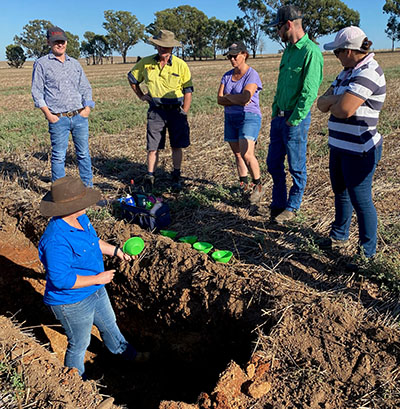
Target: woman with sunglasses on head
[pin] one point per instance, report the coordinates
(354, 101)
(239, 94)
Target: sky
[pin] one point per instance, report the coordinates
(88, 15)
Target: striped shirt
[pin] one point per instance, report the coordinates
(358, 134)
(61, 86)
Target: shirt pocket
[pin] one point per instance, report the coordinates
(295, 72)
(52, 81)
(174, 80)
(84, 254)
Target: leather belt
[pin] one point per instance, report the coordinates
(281, 113)
(69, 114)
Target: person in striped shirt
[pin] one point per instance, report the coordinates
(354, 101)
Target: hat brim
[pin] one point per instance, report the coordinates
(274, 23)
(162, 43)
(49, 208)
(235, 52)
(331, 46)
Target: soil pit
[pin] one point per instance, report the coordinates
(221, 336)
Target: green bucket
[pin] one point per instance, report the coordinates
(188, 239)
(222, 256)
(133, 246)
(203, 246)
(169, 233)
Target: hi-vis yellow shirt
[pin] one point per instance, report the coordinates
(166, 85)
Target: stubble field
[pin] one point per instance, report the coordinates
(284, 325)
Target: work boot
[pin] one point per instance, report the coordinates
(284, 216)
(245, 190)
(330, 243)
(257, 194)
(148, 183)
(176, 185)
(269, 212)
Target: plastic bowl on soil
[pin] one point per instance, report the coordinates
(222, 256)
(169, 233)
(133, 246)
(188, 239)
(202, 246)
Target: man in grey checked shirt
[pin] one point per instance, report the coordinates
(63, 93)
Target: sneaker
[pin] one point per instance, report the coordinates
(284, 216)
(148, 183)
(257, 194)
(330, 243)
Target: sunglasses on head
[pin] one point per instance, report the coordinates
(230, 56)
(338, 51)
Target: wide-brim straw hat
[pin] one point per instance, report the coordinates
(165, 38)
(68, 195)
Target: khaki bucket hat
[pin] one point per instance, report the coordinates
(165, 38)
(68, 195)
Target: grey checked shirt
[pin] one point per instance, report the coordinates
(61, 86)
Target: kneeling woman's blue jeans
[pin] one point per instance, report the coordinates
(351, 179)
(77, 320)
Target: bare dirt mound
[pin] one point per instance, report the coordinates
(48, 383)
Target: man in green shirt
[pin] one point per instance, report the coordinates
(300, 75)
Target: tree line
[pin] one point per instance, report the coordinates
(201, 36)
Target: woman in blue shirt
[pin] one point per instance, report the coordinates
(72, 256)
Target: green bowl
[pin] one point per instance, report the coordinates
(202, 246)
(133, 246)
(188, 239)
(222, 256)
(169, 233)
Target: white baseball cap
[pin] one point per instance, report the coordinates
(350, 38)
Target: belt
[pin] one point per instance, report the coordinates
(170, 107)
(69, 114)
(284, 113)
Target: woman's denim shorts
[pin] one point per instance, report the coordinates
(243, 125)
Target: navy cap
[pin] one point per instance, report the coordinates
(56, 33)
(285, 14)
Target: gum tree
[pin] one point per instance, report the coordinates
(254, 14)
(33, 38)
(124, 31)
(15, 56)
(392, 7)
(320, 17)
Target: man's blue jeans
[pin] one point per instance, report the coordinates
(290, 141)
(77, 320)
(351, 179)
(59, 135)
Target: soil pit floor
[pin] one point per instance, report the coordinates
(221, 336)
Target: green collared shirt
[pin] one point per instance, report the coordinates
(300, 75)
